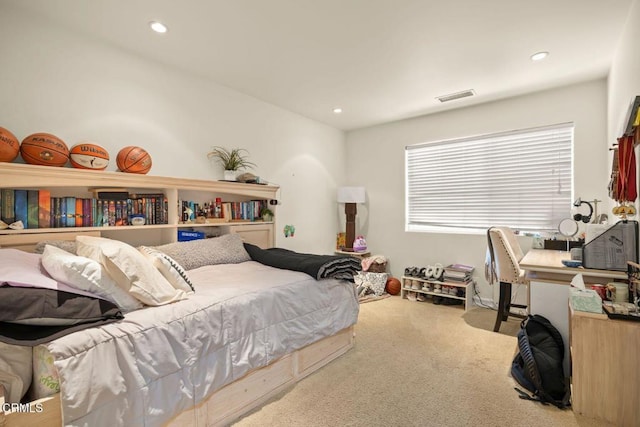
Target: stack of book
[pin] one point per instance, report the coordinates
(458, 273)
(231, 211)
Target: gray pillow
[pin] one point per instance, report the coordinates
(226, 249)
(67, 245)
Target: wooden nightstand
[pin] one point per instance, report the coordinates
(360, 255)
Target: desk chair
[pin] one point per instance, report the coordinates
(505, 254)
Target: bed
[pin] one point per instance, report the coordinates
(205, 358)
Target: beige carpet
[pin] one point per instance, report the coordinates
(416, 364)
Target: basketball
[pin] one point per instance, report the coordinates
(393, 286)
(9, 146)
(88, 155)
(44, 149)
(133, 159)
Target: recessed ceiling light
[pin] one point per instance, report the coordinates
(158, 27)
(538, 56)
(337, 110)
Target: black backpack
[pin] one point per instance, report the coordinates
(538, 364)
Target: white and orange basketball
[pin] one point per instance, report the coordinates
(88, 155)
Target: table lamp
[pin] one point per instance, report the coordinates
(350, 196)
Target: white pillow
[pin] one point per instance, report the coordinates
(170, 269)
(15, 370)
(86, 274)
(130, 269)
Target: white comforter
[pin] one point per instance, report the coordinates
(160, 361)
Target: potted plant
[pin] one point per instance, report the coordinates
(232, 160)
(266, 214)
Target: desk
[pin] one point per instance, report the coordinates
(549, 282)
(545, 264)
(606, 368)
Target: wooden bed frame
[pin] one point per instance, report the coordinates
(220, 408)
(223, 406)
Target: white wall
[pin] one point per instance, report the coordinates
(624, 77)
(376, 159)
(56, 81)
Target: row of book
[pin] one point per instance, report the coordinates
(38, 209)
(229, 211)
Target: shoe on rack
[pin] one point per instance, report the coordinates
(422, 273)
(416, 285)
(438, 272)
(420, 297)
(428, 272)
(437, 288)
(409, 271)
(437, 300)
(411, 296)
(407, 283)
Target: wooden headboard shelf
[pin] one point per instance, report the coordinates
(65, 181)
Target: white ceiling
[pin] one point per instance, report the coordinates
(380, 60)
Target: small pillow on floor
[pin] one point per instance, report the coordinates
(374, 281)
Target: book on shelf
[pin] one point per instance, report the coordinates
(56, 209)
(32, 209)
(459, 273)
(20, 207)
(462, 279)
(87, 219)
(8, 213)
(70, 215)
(44, 209)
(459, 268)
(79, 216)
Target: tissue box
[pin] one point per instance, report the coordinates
(586, 300)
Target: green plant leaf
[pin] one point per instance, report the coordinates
(233, 159)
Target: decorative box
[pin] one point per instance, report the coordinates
(586, 300)
(184, 236)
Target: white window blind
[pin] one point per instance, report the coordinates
(522, 179)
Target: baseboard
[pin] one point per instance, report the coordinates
(484, 302)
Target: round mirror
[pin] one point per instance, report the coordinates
(568, 227)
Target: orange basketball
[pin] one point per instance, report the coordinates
(9, 146)
(133, 159)
(393, 286)
(44, 149)
(88, 155)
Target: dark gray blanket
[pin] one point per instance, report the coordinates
(316, 266)
(64, 313)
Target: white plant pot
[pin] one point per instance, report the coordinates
(229, 175)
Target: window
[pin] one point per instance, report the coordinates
(522, 179)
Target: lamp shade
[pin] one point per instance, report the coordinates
(351, 195)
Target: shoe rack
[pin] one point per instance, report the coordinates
(430, 288)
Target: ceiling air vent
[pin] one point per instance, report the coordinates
(457, 95)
